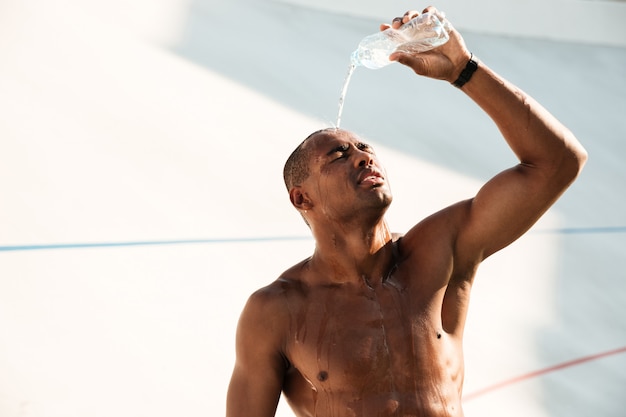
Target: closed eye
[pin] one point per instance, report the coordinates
(339, 152)
(341, 148)
(341, 156)
(343, 151)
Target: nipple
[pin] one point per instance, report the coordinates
(322, 376)
(392, 406)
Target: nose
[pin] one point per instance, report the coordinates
(365, 159)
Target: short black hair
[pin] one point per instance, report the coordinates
(296, 168)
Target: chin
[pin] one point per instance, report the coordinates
(382, 201)
(385, 197)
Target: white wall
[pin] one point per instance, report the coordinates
(108, 136)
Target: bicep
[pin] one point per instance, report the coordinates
(504, 209)
(253, 392)
(257, 378)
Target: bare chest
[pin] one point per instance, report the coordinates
(365, 341)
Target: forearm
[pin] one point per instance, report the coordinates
(535, 136)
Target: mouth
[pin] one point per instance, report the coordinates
(371, 177)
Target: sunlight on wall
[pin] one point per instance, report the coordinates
(157, 21)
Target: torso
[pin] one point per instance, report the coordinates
(360, 351)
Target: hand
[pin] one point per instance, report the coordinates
(444, 62)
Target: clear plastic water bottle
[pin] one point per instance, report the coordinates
(425, 32)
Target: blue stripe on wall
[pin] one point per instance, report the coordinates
(150, 243)
(13, 248)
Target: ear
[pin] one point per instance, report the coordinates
(300, 199)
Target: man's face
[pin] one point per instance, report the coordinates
(346, 178)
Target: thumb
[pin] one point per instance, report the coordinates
(410, 60)
(395, 56)
(399, 56)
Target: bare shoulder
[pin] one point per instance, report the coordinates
(439, 230)
(264, 324)
(272, 300)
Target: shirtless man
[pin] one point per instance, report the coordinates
(372, 323)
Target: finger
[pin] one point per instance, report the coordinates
(411, 14)
(395, 56)
(384, 26)
(396, 22)
(430, 9)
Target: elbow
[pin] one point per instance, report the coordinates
(579, 155)
(574, 158)
(582, 158)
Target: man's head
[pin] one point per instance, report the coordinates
(335, 175)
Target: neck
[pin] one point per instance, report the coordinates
(348, 254)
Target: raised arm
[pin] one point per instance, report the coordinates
(550, 159)
(257, 378)
(549, 154)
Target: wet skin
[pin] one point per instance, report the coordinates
(382, 342)
(383, 350)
